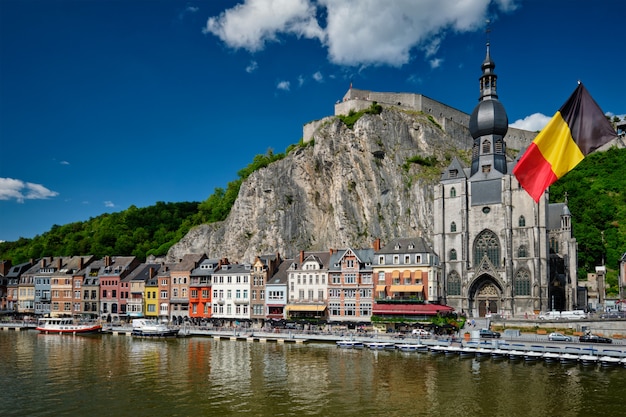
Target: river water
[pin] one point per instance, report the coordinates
(106, 375)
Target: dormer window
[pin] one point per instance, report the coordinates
(453, 173)
(486, 169)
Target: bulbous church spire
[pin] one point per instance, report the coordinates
(488, 124)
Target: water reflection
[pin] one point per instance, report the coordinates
(45, 375)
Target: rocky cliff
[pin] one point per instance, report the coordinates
(347, 187)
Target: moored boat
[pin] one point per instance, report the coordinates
(532, 355)
(380, 345)
(588, 359)
(349, 344)
(152, 329)
(568, 358)
(61, 325)
(607, 361)
(410, 347)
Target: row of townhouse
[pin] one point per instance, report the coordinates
(349, 285)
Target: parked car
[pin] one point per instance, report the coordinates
(489, 334)
(594, 338)
(559, 337)
(613, 315)
(420, 333)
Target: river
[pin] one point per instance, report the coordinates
(106, 375)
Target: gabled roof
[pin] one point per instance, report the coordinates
(455, 167)
(281, 276)
(188, 262)
(142, 272)
(363, 256)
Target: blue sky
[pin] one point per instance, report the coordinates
(107, 104)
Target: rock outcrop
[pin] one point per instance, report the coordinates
(347, 188)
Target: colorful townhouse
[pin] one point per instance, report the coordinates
(113, 294)
(308, 286)
(200, 288)
(277, 292)
(263, 268)
(36, 277)
(13, 283)
(350, 286)
(231, 294)
(151, 297)
(136, 280)
(90, 289)
(63, 300)
(163, 292)
(180, 279)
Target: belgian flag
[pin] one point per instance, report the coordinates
(576, 130)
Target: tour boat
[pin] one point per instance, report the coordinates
(152, 329)
(66, 326)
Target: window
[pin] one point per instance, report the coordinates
(163, 294)
(522, 221)
(487, 245)
(365, 310)
(453, 254)
(320, 295)
(453, 227)
(334, 293)
(350, 309)
(381, 277)
(350, 263)
(335, 309)
(486, 169)
(407, 259)
(366, 279)
(453, 173)
(554, 245)
(350, 278)
(486, 146)
(521, 252)
(522, 283)
(454, 283)
(381, 260)
(452, 192)
(396, 259)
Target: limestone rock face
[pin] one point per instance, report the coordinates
(347, 189)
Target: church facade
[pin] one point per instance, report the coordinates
(501, 253)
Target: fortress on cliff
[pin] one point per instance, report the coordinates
(451, 120)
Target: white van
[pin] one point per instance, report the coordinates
(563, 315)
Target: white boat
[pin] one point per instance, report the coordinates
(380, 345)
(437, 349)
(499, 353)
(568, 358)
(516, 354)
(451, 350)
(66, 326)
(588, 359)
(607, 361)
(152, 328)
(483, 352)
(468, 352)
(349, 344)
(551, 357)
(623, 362)
(532, 355)
(410, 347)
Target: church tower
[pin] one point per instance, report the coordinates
(490, 235)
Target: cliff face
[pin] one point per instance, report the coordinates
(349, 188)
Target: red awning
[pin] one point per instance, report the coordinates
(411, 309)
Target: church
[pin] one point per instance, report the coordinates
(501, 253)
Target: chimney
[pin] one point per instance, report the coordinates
(59, 263)
(80, 263)
(331, 250)
(376, 245)
(107, 260)
(42, 264)
(301, 257)
(151, 273)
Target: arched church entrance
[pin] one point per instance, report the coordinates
(485, 296)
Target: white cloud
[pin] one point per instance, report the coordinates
(64, 163)
(357, 32)
(318, 77)
(283, 85)
(435, 63)
(534, 123)
(109, 204)
(252, 67)
(300, 80)
(255, 22)
(19, 190)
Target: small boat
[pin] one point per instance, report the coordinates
(515, 355)
(568, 358)
(499, 353)
(588, 359)
(532, 355)
(380, 345)
(468, 352)
(152, 329)
(551, 357)
(437, 349)
(410, 347)
(607, 361)
(451, 350)
(623, 362)
(66, 326)
(349, 344)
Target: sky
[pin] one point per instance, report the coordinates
(106, 104)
